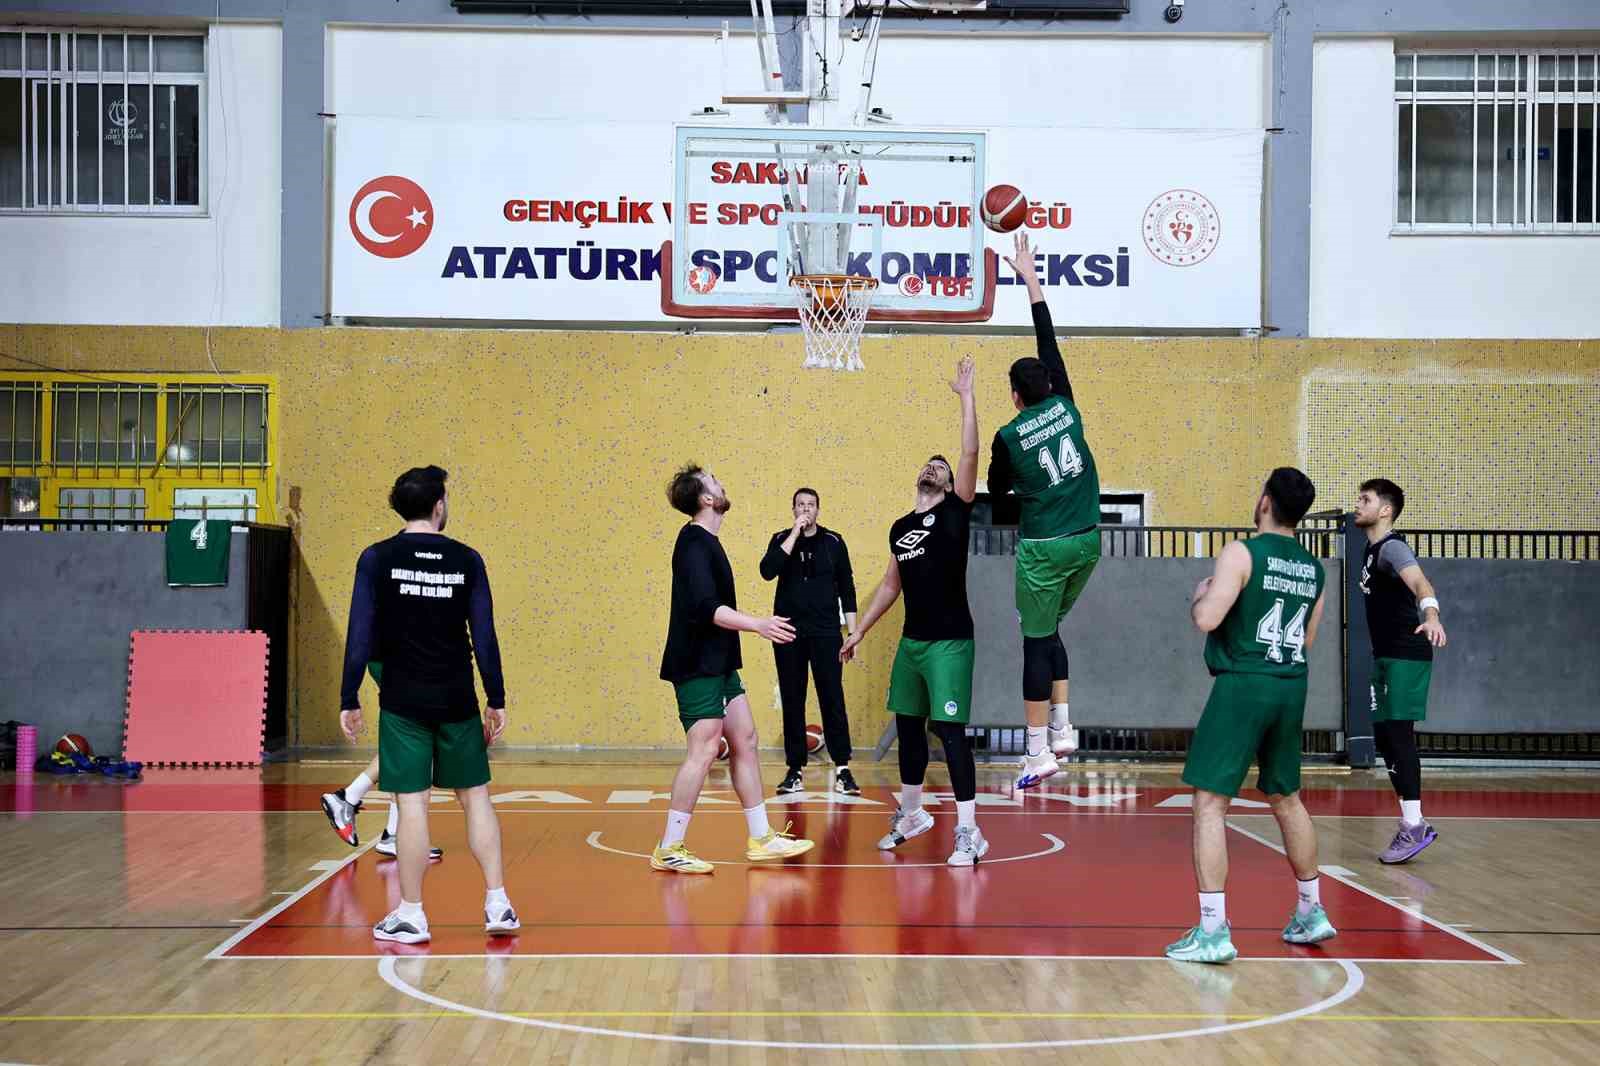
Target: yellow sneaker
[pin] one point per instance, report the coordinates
(677, 858)
(777, 844)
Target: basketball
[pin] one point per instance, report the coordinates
(813, 737)
(73, 744)
(1004, 208)
(722, 747)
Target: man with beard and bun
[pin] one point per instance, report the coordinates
(417, 596)
(931, 680)
(1403, 617)
(702, 661)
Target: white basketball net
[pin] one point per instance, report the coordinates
(833, 310)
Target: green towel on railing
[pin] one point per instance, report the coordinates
(197, 552)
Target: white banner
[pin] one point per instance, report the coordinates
(558, 222)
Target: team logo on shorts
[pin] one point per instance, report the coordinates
(1181, 227)
(951, 708)
(927, 522)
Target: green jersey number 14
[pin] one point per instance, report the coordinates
(1069, 465)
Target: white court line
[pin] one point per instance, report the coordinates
(988, 812)
(287, 902)
(1474, 941)
(1056, 844)
(1301, 959)
(1354, 979)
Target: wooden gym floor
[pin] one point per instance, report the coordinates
(213, 917)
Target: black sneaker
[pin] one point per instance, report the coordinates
(844, 782)
(792, 782)
(386, 846)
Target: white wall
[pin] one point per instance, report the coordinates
(1367, 283)
(926, 80)
(220, 269)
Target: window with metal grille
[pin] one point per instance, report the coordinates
(20, 403)
(101, 121)
(104, 424)
(216, 425)
(1497, 141)
(115, 504)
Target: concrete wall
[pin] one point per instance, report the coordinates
(72, 601)
(1136, 658)
(1520, 657)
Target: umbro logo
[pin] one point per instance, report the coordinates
(911, 539)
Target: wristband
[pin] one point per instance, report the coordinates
(1426, 602)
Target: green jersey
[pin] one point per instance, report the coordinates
(1052, 469)
(1265, 631)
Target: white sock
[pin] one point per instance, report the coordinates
(756, 818)
(677, 826)
(357, 788)
(910, 797)
(1058, 717)
(1213, 912)
(1411, 811)
(1310, 895)
(393, 828)
(1036, 735)
(412, 912)
(967, 813)
(496, 898)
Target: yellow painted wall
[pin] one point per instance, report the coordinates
(559, 447)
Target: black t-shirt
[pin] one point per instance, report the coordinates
(1392, 615)
(931, 551)
(702, 581)
(814, 581)
(416, 597)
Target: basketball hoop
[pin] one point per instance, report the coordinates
(833, 310)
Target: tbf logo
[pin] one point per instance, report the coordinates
(391, 216)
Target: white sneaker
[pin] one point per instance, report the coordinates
(1035, 768)
(504, 925)
(903, 825)
(395, 928)
(1063, 742)
(970, 846)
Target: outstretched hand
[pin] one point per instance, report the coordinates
(1021, 259)
(961, 384)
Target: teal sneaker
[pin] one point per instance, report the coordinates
(1200, 946)
(1311, 928)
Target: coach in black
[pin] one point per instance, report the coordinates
(812, 567)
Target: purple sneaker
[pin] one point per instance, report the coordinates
(1408, 841)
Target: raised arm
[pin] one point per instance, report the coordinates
(888, 591)
(967, 470)
(1044, 331)
(1215, 596)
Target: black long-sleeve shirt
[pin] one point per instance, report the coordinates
(1001, 476)
(702, 581)
(417, 596)
(814, 581)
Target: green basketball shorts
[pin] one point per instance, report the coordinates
(1400, 689)
(932, 679)
(706, 697)
(414, 756)
(1051, 575)
(1249, 718)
